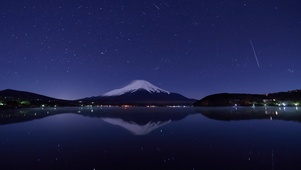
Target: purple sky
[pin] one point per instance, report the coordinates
(73, 48)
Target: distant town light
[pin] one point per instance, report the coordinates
(126, 106)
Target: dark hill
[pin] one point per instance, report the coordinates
(16, 94)
(290, 98)
(15, 98)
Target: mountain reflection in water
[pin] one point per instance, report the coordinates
(139, 121)
(135, 128)
(151, 138)
(142, 120)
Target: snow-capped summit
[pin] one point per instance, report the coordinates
(140, 93)
(134, 86)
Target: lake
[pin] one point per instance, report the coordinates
(93, 138)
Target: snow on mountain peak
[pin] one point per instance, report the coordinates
(134, 86)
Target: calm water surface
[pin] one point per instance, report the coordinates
(151, 138)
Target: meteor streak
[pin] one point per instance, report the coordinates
(254, 53)
(156, 6)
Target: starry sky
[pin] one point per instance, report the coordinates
(72, 49)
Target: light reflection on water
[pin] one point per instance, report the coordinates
(151, 138)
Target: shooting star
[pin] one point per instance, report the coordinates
(254, 53)
(156, 6)
(166, 4)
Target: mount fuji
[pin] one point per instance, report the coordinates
(141, 93)
(135, 86)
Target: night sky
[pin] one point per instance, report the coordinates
(72, 49)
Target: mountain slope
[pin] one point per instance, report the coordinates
(141, 92)
(15, 98)
(14, 94)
